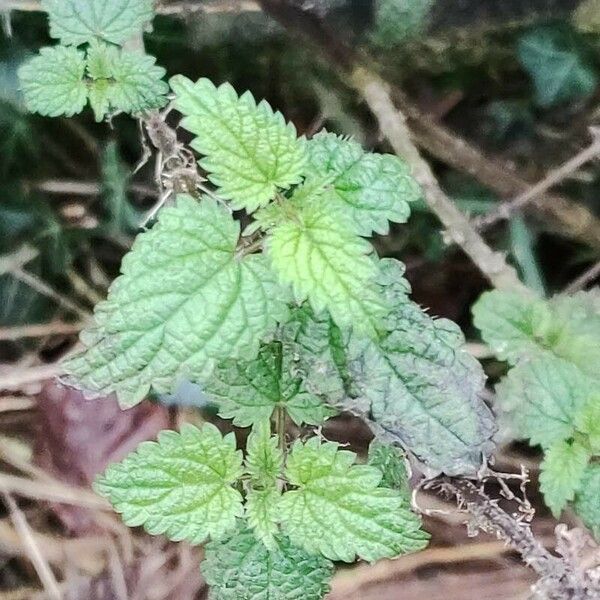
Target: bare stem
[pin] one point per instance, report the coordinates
(554, 177)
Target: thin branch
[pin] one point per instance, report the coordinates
(42, 330)
(392, 124)
(38, 561)
(584, 279)
(46, 290)
(553, 178)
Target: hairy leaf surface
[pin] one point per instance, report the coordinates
(561, 473)
(249, 392)
(180, 486)
(184, 302)
(587, 501)
(420, 384)
(540, 399)
(328, 265)
(338, 509)
(262, 513)
(124, 81)
(243, 568)
(76, 22)
(587, 421)
(249, 150)
(53, 82)
(369, 189)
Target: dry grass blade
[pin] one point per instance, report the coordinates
(37, 558)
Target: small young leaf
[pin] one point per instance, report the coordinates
(540, 399)
(124, 81)
(391, 461)
(249, 392)
(262, 513)
(76, 22)
(265, 460)
(180, 486)
(369, 189)
(513, 325)
(53, 82)
(561, 473)
(554, 61)
(242, 568)
(587, 500)
(587, 421)
(184, 302)
(328, 265)
(338, 509)
(249, 150)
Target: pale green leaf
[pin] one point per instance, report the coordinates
(369, 189)
(561, 473)
(587, 500)
(338, 509)
(262, 513)
(53, 82)
(180, 486)
(184, 302)
(587, 421)
(249, 150)
(264, 461)
(392, 463)
(513, 325)
(539, 400)
(249, 392)
(124, 81)
(328, 265)
(242, 568)
(76, 22)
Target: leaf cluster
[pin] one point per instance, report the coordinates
(550, 395)
(90, 65)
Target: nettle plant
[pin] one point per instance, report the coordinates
(291, 321)
(551, 395)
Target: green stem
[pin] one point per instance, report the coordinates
(280, 427)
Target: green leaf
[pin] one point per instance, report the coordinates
(249, 150)
(561, 474)
(242, 568)
(124, 81)
(513, 325)
(121, 216)
(587, 421)
(184, 302)
(180, 486)
(265, 460)
(420, 384)
(554, 61)
(516, 327)
(316, 344)
(539, 399)
(262, 513)
(328, 265)
(587, 500)
(369, 189)
(396, 21)
(338, 509)
(391, 461)
(249, 392)
(53, 82)
(76, 22)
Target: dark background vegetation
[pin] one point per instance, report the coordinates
(517, 79)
